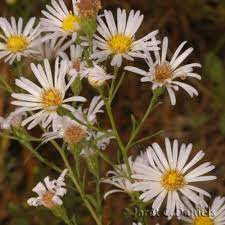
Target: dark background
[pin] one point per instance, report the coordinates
(200, 120)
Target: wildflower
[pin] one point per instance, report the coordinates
(90, 113)
(49, 193)
(71, 131)
(51, 49)
(18, 42)
(164, 73)
(45, 99)
(13, 120)
(74, 131)
(119, 40)
(171, 176)
(60, 21)
(96, 76)
(120, 177)
(103, 141)
(215, 215)
(75, 65)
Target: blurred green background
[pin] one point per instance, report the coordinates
(200, 120)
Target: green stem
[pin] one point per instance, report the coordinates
(149, 110)
(39, 157)
(98, 194)
(116, 69)
(82, 194)
(116, 88)
(115, 132)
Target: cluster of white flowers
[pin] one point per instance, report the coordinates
(65, 55)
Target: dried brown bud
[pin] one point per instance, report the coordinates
(89, 8)
(76, 65)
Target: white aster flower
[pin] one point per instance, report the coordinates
(171, 176)
(119, 176)
(142, 158)
(96, 76)
(13, 120)
(118, 39)
(49, 193)
(215, 215)
(164, 73)
(103, 141)
(17, 42)
(74, 131)
(136, 223)
(75, 63)
(90, 113)
(47, 98)
(60, 21)
(52, 48)
(71, 131)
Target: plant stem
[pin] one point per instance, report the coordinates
(39, 157)
(88, 205)
(116, 134)
(149, 110)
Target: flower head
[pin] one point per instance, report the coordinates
(74, 131)
(45, 99)
(76, 65)
(199, 215)
(90, 114)
(96, 76)
(52, 48)
(13, 120)
(120, 177)
(59, 20)
(103, 141)
(49, 193)
(17, 42)
(164, 73)
(119, 40)
(71, 131)
(171, 176)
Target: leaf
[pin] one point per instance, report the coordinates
(134, 122)
(76, 86)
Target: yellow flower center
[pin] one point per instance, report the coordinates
(17, 43)
(120, 43)
(172, 180)
(163, 72)
(74, 134)
(51, 99)
(47, 200)
(203, 220)
(70, 23)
